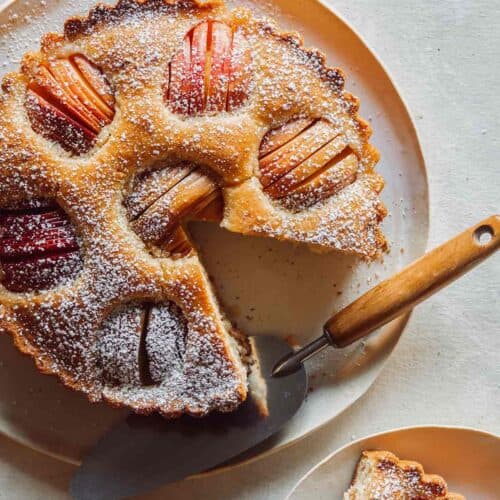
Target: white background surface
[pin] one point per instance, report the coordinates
(443, 56)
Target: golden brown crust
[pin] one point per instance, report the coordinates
(382, 475)
(60, 328)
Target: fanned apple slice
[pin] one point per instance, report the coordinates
(45, 85)
(36, 274)
(213, 211)
(142, 343)
(150, 186)
(304, 162)
(329, 181)
(199, 64)
(69, 101)
(66, 74)
(120, 344)
(38, 250)
(211, 71)
(279, 162)
(192, 193)
(218, 67)
(178, 243)
(53, 124)
(239, 72)
(278, 137)
(288, 182)
(96, 80)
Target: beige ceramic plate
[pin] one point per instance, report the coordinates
(468, 460)
(266, 287)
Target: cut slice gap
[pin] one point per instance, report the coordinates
(239, 72)
(219, 67)
(284, 159)
(143, 359)
(278, 137)
(308, 168)
(200, 61)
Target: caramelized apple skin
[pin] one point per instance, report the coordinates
(211, 72)
(38, 249)
(69, 101)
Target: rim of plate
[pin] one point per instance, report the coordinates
(402, 320)
(385, 433)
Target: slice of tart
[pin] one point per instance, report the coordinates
(137, 119)
(380, 475)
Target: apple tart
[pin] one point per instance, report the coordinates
(137, 119)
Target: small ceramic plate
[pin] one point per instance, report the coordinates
(265, 286)
(467, 459)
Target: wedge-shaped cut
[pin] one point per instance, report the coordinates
(211, 72)
(69, 102)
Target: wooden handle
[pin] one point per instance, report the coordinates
(415, 283)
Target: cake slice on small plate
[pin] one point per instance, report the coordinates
(381, 475)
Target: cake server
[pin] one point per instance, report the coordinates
(142, 453)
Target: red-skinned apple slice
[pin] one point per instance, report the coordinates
(53, 124)
(278, 137)
(20, 223)
(45, 85)
(66, 74)
(40, 273)
(210, 72)
(199, 64)
(239, 71)
(37, 250)
(219, 67)
(96, 80)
